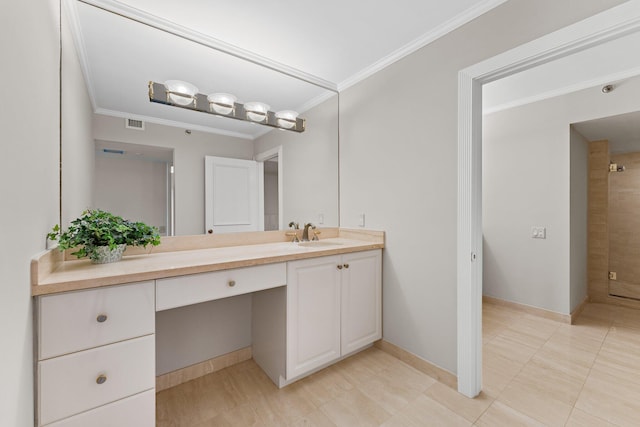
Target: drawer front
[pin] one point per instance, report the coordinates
(71, 322)
(69, 384)
(134, 411)
(185, 290)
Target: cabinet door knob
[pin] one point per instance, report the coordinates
(346, 266)
(101, 318)
(210, 231)
(101, 379)
(339, 267)
(232, 283)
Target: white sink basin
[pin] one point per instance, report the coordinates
(317, 243)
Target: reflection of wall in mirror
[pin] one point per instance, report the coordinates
(189, 151)
(310, 166)
(271, 196)
(135, 189)
(77, 137)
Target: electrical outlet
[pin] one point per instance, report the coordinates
(361, 220)
(538, 232)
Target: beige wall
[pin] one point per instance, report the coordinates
(398, 157)
(29, 186)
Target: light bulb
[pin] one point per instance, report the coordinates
(181, 93)
(222, 103)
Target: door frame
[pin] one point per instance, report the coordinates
(261, 158)
(601, 28)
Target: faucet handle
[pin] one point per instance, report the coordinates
(315, 235)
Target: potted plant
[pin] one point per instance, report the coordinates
(103, 236)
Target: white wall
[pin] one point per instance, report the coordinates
(535, 174)
(310, 166)
(578, 185)
(188, 157)
(29, 40)
(398, 157)
(525, 184)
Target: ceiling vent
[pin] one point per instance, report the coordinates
(134, 124)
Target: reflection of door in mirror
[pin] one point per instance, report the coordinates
(135, 182)
(231, 195)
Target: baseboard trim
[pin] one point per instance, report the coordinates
(540, 312)
(578, 310)
(440, 374)
(180, 376)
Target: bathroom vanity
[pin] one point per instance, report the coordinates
(312, 304)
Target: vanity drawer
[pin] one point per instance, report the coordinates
(71, 321)
(138, 411)
(70, 384)
(192, 289)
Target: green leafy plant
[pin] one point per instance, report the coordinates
(97, 228)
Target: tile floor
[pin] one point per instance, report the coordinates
(537, 372)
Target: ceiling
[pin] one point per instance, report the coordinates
(300, 52)
(622, 131)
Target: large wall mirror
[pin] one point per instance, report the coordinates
(146, 160)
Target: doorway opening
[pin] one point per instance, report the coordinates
(606, 26)
(270, 188)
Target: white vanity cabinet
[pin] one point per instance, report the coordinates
(96, 357)
(334, 307)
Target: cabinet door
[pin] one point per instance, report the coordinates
(313, 314)
(361, 300)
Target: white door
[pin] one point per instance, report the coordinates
(231, 195)
(313, 314)
(361, 300)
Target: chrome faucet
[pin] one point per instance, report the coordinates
(305, 232)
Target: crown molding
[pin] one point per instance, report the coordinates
(440, 31)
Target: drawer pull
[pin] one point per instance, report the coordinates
(101, 318)
(339, 267)
(346, 266)
(101, 379)
(232, 283)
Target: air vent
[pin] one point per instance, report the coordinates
(134, 124)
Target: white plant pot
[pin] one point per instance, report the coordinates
(105, 255)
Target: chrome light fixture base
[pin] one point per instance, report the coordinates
(159, 93)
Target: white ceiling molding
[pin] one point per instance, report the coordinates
(443, 29)
(197, 37)
(173, 123)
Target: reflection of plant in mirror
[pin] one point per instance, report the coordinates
(97, 228)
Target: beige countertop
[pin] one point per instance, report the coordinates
(50, 274)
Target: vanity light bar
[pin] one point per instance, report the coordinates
(159, 93)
